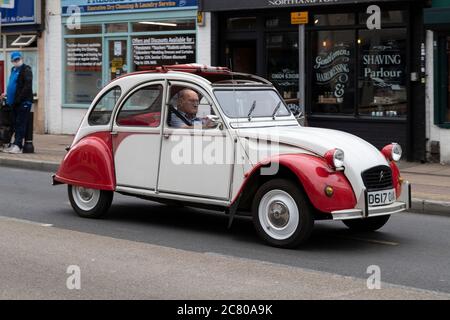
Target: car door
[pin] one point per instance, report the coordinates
(137, 137)
(195, 161)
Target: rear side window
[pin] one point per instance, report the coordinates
(101, 114)
(142, 108)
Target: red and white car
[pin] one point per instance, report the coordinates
(252, 158)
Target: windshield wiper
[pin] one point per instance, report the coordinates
(274, 114)
(251, 111)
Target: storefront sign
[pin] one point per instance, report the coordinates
(153, 51)
(221, 5)
(19, 12)
(107, 6)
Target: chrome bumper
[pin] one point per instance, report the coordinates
(403, 203)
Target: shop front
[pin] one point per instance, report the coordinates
(105, 40)
(437, 23)
(21, 31)
(363, 61)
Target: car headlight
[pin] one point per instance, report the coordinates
(393, 152)
(335, 158)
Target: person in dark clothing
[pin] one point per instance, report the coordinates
(19, 96)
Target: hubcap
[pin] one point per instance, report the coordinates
(278, 214)
(85, 199)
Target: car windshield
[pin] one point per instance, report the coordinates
(242, 103)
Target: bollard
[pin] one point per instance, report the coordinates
(28, 147)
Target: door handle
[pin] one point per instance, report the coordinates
(114, 133)
(166, 136)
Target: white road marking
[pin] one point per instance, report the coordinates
(47, 225)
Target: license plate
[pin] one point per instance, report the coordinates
(381, 198)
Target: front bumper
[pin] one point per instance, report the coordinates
(403, 203)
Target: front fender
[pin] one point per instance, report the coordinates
(315, 175)
(89, 164)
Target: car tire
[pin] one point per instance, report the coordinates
(282, 214)
(369, 224)
(90, 203)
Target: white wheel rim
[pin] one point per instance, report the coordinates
(278, 214)
(86, 199)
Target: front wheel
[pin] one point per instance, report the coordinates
(90, 203)
(282, 214)
(369, 224)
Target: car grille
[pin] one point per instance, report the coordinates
(378, 178)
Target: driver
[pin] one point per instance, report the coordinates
(185, 116)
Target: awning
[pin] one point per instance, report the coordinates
(232, 5)
(437, 18)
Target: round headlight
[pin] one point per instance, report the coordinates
(396, 152)
(338, 158)
(335, 158)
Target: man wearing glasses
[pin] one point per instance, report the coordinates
(19, 96)
(185, 116)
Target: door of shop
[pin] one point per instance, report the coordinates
(241, 56)
(117, 57)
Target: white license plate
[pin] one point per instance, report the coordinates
(381, 198)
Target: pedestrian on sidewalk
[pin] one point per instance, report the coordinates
(19, 96)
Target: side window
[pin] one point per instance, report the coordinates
(188, 108)
(101, 114)
(142, 108)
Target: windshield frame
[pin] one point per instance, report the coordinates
(259, 88)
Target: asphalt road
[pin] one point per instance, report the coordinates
(160, 242)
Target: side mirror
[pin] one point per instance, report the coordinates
(215, 121)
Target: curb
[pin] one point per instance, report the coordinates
(440, 208)
(30, 164)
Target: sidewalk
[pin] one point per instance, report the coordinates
(430, 182)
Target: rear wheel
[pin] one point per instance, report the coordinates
(282, 214)
(90, 203)
(369, 224)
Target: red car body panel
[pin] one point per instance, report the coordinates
(314, 175)
(90, 163)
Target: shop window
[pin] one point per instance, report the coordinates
(442, 83)
(241, 23)
(83, 69)
(382, 77)
(85, 29)
(152, 51)
(163, 25)
(447, 107)
(393, 16)
(335, 19)
(101, 113)
(117, 28)
(142, 108)
(333, 72)
(30, 58)
(282, 65)
(279, 21)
